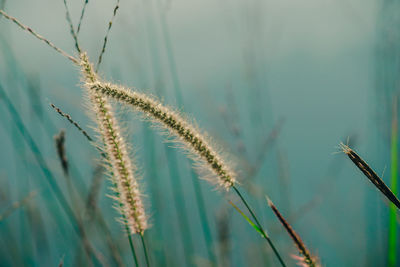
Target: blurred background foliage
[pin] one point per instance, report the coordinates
(277, 84)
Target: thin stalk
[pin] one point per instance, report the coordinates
(82, 15)
(103, 49)
(306, 258)
(71, 26)
(259, 226)
(131, 245)
(38, 36)
(69, 118)
(128, 231)
(392, 254)
(145, 250)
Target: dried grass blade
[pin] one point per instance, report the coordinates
(370, 174)
(308, 259)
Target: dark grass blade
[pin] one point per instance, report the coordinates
(103, 49)
(59, 140)
(69, 118)
(71, 26)
(392, 246)
(308, 259)
(82, 15)
(38, 36)
(370, 173)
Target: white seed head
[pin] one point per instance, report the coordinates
(123, 171)
(187, 133)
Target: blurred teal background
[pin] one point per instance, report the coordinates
(316, 72)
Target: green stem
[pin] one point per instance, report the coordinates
(392, 255)
(145, 250)
(259, 226)
(131, 245)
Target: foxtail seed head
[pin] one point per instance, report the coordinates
(126, 185)
(176, 125)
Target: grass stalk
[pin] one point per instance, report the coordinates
(85, 3)
(132, 247)
(146, 256)
(74, 123)
(307, 258)
(187, 134)
(71, 26)
(392, 248)
(103, 49)
(263, 233)
(38, 36)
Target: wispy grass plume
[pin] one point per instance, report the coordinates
(123, 170)
(370, 174)
(176, 125)
(69, 118)
(195, 141)
(116, 139)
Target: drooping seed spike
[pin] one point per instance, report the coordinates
(370, 174)
(185, 132)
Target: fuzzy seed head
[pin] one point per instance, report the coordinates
(126, 185)
(186, 133)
